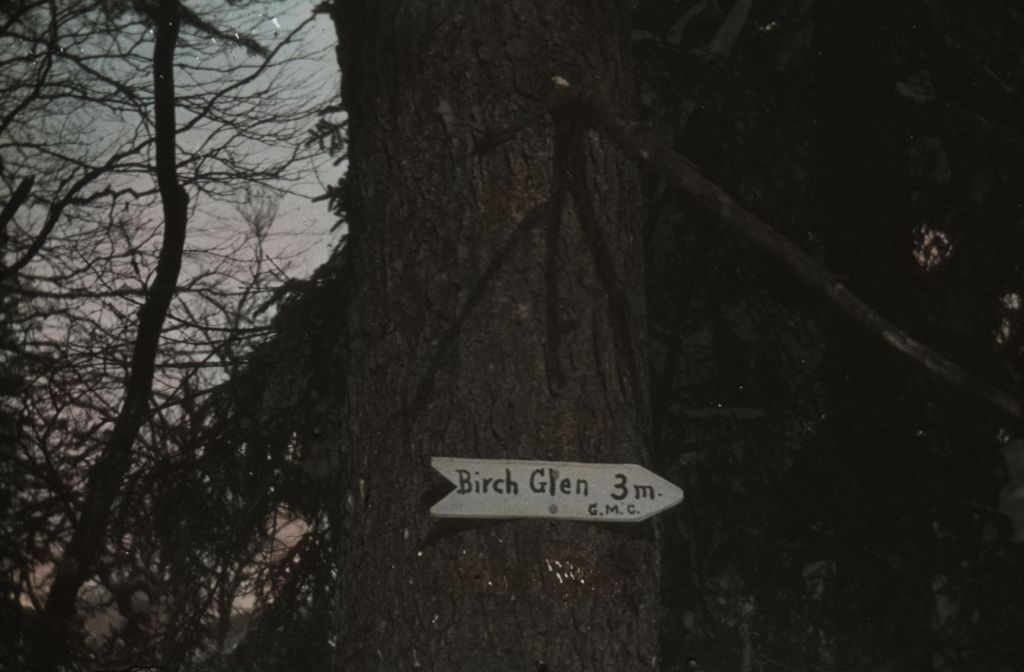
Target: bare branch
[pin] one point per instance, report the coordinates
(16, 200)
(107, 474)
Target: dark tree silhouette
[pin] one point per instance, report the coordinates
(496, 309)
(122, 325)
(770, 249)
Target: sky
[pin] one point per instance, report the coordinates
(93, 132)
(303, 226)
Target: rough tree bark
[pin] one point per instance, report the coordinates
(496, 310)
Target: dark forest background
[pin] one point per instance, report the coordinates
(846, 508)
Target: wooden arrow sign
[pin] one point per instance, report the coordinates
(625, 493)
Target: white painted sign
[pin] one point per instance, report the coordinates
(556, 490)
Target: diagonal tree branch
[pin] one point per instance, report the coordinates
(713, 200)
(16, 200)
(682, 174)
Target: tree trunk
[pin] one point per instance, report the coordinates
(53, 645)
(496, 311)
